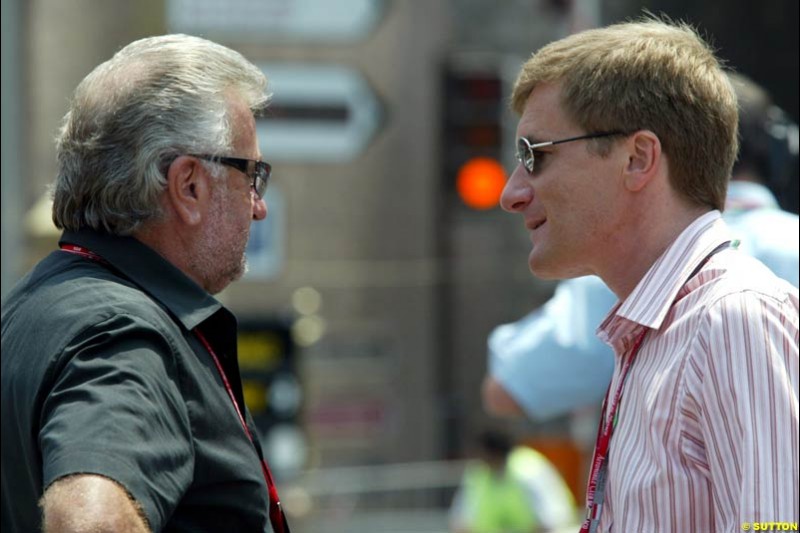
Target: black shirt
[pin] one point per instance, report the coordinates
(102, 374)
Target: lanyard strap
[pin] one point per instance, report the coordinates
(595, 490)
(83, 252)
(276, 515)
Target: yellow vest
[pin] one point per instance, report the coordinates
(498, 502)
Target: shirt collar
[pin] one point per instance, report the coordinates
(655, 293)
(162, 280)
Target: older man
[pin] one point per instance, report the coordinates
(626, 140)
(121, 398)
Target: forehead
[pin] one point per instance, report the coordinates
(243, 127)
(543, 116)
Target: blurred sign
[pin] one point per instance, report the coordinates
(350, 382)
(318, 113)
(266, 21)
(347, 417)
(265, 249)
(272, 392)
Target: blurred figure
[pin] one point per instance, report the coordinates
(626, 141)
(122, 403)
(550, 362)
(510, 489)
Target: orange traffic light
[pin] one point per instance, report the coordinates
(480, 182)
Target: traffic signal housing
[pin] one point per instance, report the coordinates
(472, 133)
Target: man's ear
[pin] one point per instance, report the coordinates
(188, 189)
(644, 159)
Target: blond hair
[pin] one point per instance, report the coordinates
(654, 75)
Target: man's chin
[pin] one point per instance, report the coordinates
(240, 271)
(547, 268)
(556, 272)
(544, 274)
(540, 267)
(233, 275)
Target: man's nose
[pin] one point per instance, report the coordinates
(259, 209)
(517, 193)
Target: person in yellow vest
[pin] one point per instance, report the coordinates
(510, 490)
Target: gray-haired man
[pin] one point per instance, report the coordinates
(121, 398)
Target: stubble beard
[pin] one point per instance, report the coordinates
(221, 250)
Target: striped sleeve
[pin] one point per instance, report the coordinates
(749, 401)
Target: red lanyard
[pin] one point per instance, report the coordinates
(84, 252)
(595, 490)
(276, 515)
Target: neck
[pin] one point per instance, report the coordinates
(171, 245)
(647, 234)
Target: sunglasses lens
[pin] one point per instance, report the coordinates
(263, 171)
(525, 155)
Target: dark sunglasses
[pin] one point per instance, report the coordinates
(258, 171)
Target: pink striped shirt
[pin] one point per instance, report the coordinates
(707, 436)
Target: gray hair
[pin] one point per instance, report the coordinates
(156, 99)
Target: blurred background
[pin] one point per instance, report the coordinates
(384, 261)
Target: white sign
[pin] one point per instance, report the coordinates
(266, 247)
(318, 113)
(265, 21)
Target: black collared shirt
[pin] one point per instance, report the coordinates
(102, 374)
